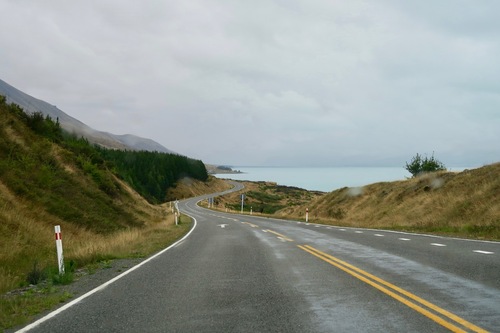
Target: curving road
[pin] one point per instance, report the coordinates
(241, 273)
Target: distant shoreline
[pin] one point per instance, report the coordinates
(221, 169)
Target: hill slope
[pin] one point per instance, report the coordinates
(464, 204)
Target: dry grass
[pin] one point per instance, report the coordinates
(187, 188)
(463, 204)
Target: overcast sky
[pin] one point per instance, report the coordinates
(269, 82)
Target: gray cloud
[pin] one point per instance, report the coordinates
(269, 82)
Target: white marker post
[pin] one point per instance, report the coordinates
(176, 219)
(60, 257)
(242, 200)
(307, 215)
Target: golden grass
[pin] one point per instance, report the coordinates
(187, 188)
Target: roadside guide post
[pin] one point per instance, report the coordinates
(242, 200)
(307, 215)
(60, 257)
(177, 213)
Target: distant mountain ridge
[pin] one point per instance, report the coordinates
(127, 141)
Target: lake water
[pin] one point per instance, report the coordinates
(321, 179)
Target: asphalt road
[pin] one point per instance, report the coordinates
(241, 273)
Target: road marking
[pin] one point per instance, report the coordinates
(317, 226)
(437, 244)
(222, 226)
(358, 232)
(483, 252)
(378, 235)
(280, 236)
(251, 224)
(404, 239)
(381, 285)
(342, 229)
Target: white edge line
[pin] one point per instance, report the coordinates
(104, 285)
(384, 230)
(483, 252)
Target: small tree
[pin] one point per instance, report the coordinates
(419, 165)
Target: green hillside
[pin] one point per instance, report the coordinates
(48, 178)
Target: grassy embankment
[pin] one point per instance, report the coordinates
(465, 204)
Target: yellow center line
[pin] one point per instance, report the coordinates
(280, 235)
(350, 269)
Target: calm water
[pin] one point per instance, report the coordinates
(321, 179)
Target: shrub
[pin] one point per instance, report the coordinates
(421, 164)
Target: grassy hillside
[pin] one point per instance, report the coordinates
(464, 204)
(48, 178)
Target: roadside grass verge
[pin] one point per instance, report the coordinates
(82, 249)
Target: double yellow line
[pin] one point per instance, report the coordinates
(447, 319)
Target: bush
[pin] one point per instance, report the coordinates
(420, 165)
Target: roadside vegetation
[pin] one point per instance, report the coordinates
(49, 177)
(265, 198)
(464, 204)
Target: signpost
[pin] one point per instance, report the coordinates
(307, 215)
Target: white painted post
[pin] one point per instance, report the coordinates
(176, 219)
(251, 210)
(307, 215)
(242, 200)
(60, 257)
